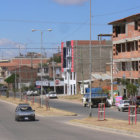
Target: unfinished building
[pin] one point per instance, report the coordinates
(126, 48)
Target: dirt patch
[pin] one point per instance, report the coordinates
(42, 111)
(110, 123)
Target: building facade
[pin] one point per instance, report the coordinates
(126, 47)
(126, 50)
(75, 62)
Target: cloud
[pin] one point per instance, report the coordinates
(70, 2)
(8, 48)
(4, 42)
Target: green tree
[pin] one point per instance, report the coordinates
(56, 59)
(10, 80)
(106, 91)
(131, 89)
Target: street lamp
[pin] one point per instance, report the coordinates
(41, 46)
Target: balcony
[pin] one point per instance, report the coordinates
(127, 74)
(127, 55)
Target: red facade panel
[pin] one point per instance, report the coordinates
(72, 51)
(62, 45)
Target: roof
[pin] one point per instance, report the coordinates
(85, 81)
(126, 19)
(7, 64)
(101, 76)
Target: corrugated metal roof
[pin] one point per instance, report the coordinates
(101, 76)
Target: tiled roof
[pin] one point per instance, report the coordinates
(8, 64)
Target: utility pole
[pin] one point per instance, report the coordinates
(90, 66)
(15, 83)
(53, 63)
(82, 69)
(111, 58)
(20, 75)
(41, 47)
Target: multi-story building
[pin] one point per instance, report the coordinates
(75, 61)
(126, 48)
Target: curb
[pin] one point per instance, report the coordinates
(106, 129)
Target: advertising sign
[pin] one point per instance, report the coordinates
(44, 83)
(117, 100)
(72, 49)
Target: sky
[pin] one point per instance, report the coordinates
(68, 19)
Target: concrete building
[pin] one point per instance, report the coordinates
(75, 62)
(126, 48)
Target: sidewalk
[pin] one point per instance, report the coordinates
(109, 125)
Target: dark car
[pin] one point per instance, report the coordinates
(3, 88)
(24, 112)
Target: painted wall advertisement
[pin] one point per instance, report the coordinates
(117, 100)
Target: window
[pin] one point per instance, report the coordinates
(123, 47)
(123, 66)
(136, 45)
(39, 70)
(136, 25)
(128, 47)
(118, 48)
(135, 65)
(119, 29)
(45, 70)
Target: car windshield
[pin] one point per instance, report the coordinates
(52, 93)
(25, 108)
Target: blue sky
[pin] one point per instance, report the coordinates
(69, 20)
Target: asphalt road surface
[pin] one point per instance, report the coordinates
(110, 112)
(84, 111)
(47, 128)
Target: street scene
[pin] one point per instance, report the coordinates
(70, 69)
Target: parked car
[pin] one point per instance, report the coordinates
(51, 94)
(32, 93)
(3, 88)
(24, 112)
(123, 105)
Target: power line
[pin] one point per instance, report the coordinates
(48, 22)
(117, 12)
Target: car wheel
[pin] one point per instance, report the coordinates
(33, 119)
(16, 119)
(118, 109)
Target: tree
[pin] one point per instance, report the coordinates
(10, 80)
(56, 59)
(131, 89)
(106, 91)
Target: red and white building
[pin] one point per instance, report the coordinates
(75, 62)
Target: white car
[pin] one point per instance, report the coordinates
(123, 105)
(32, 93)
(51, 94)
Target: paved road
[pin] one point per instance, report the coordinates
(84, 111)
(50, 128)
